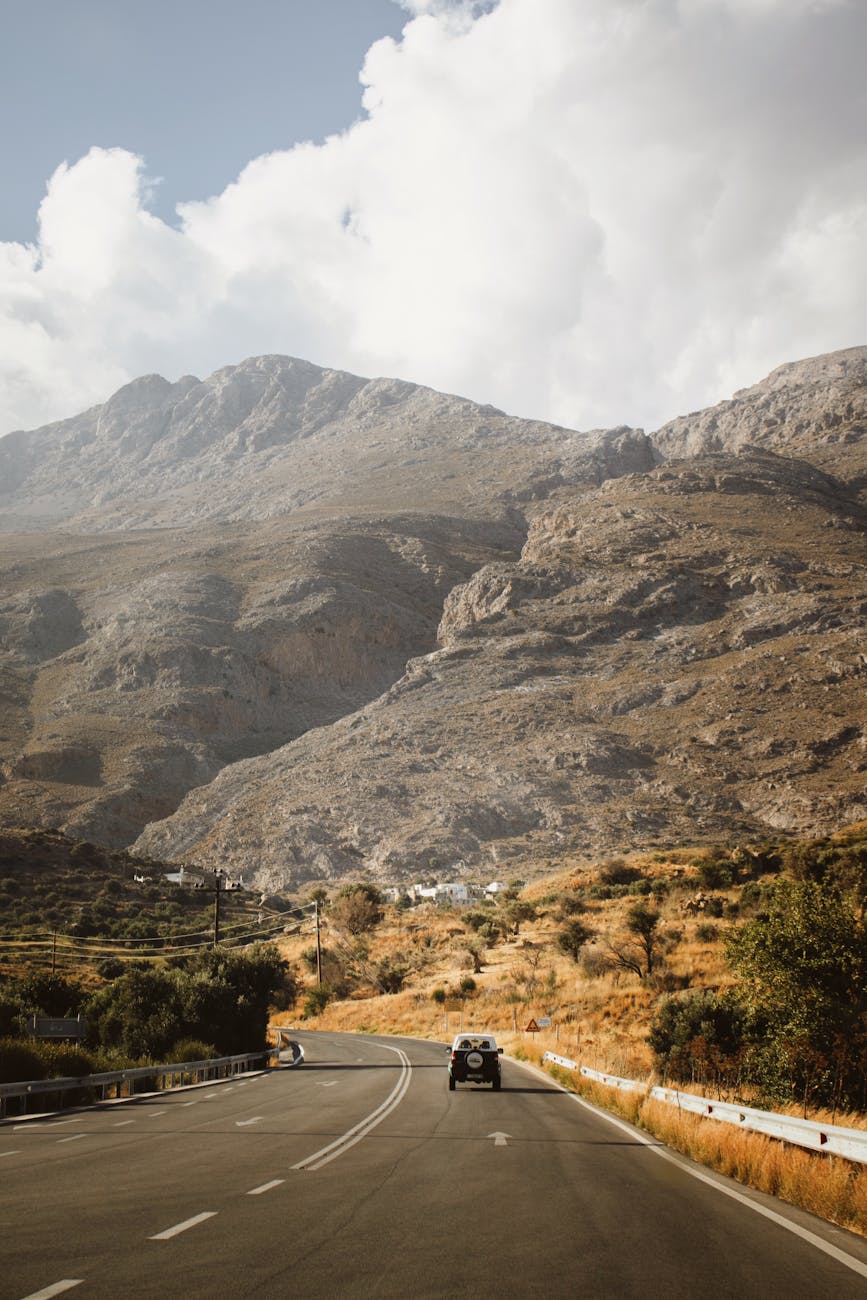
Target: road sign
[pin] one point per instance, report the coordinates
(544, 1022)
(56, 1027)
(532, 1028)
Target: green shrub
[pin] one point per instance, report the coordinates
(714, 875)
(618, 872)
(317, 999)
(698, 1036)
(63, 1061)
(190, 1049)
(20, 1062)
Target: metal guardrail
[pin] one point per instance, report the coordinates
(202, 1071)
(833, 1139)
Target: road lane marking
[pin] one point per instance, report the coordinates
(364, 1126)
(182, 1227)
(500, 1139)
(7, 1153)
(55, 1289)
(242, 1123)
(33, 1128)
(849, 1260)
(331, 1084)
(155, 1114)
(190, 1103)
(75, 1138)
(266, 1187)
(654, 1144)
(119, 1123)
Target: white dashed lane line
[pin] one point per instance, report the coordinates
(57, 1288)
(119, 1123)
(75, 1138)
(7, 1153)
(267, 1187)
(155, 1114)
(182, 1227)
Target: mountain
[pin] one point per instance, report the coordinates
(204, 571)
(669, 661)
(307, 625)
(275, 437)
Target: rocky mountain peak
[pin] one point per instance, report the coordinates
(815, 409)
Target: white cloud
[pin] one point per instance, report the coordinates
(594, 213)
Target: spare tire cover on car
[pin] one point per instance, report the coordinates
(475, 1060)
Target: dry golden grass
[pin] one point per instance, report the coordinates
(827, 1186)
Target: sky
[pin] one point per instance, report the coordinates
(595, 212)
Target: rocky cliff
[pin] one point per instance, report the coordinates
(676, 655)
(306, 624)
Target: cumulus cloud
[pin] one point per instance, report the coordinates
(593, 213)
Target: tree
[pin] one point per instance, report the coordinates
(226, 995)
(638, 953)
(699, 1036)
(516, 911)
(219, 996)
(804, 970)
(140, 1013)
(357, 908)
(51, 994)
(572, 937)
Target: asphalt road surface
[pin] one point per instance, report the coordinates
(359, 1174)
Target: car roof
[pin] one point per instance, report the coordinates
(474, 1039)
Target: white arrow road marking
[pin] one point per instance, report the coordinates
(242, 1123)
(56, 1289)
(363, 1127)
(182, 1227)
(266, 1187)
(500, 1139)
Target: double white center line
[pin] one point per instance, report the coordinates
(360, 1130)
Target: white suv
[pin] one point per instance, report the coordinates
(475, 1058)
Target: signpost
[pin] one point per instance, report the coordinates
(56, 1027)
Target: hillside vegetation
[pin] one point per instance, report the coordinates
(742, 970)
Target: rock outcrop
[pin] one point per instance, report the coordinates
(814, 409)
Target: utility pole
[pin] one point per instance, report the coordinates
(53, 951)
(218, 878)
(318, 944)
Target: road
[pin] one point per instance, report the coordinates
(360, 1175)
